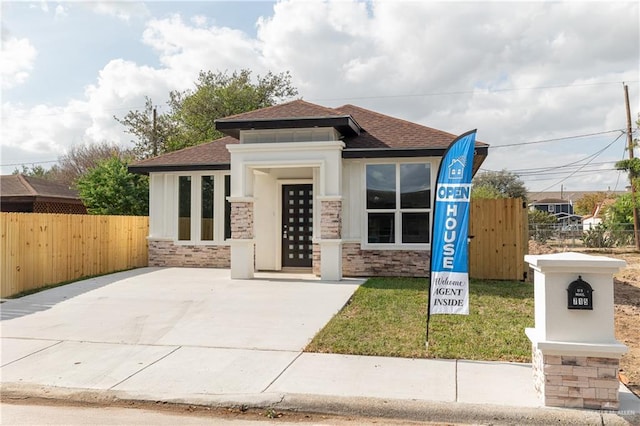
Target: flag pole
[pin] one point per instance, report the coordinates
(433, 222)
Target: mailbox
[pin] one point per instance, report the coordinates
(579, 295)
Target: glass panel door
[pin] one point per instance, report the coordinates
(297, 225)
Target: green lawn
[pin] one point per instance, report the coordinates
(387, 317)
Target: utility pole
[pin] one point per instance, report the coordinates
(636, 217)
(154, 138)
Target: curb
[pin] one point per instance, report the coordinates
(410, 410)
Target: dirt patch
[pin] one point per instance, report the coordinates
(627, 309)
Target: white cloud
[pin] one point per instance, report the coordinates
(18, 56)
(61, 11)
(124, 10)
(186, 49)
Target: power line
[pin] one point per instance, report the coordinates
(28, 162)
(475, 91)
(557, 139)
(595, 155)
(547, 169)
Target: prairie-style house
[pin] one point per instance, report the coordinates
(338, 191)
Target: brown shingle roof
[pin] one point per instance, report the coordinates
(211, 155)
(293, 109)
(29, 186)
(383, 131)
(380, 132)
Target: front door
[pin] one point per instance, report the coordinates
(297, 225)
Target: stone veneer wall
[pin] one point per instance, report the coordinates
(315, 265)
(576, 382)
(390, 263)
(167, 253)
(242, 220)
(330, 220)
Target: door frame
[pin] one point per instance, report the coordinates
(278, 229)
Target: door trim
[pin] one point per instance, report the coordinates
(278, 228)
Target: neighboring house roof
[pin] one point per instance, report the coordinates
(551, 201)
(368, 134)
(20, 186)
(599, 209)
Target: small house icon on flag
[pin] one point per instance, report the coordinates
(456, 168)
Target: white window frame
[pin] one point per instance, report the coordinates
(398, 245)
(196, 208)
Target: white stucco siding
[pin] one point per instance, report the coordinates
(353, 201)
(162, 204)
(325, 155)
(265, 226)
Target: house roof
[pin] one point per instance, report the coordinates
(368, 134)
(207, 156)
(551, 201)
(294, 114)
(27, 186)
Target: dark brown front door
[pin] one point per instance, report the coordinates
(297, 225)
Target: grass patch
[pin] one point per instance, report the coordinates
(387, 317)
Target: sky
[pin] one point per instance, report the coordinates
(541, 81)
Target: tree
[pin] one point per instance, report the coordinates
(82, 158)
(34, 171)
(502, 184)
(191, 117)
(486, 191)
(541, 225)
(588, 202)
(109, 188)
(621, 211)
(75, 163)
(149, 141)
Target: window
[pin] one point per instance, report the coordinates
(398, 203)
(227, 207)
(184, 208)
(203, 211)
(206, 227)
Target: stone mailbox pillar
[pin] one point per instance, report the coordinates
(575, 354)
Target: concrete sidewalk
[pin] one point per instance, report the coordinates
(160, 347)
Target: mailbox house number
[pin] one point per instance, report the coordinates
(580, 295)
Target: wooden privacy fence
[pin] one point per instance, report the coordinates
(500, 239)
(39, 249)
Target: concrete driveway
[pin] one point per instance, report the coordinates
(183, 330)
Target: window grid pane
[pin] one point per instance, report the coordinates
(381, 228)
(184, 208)
(206, 218)
(415, 228)
(381, 186)
(415, 186)
(227, 207)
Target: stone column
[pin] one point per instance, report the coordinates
(242, 242)
(330, 237)
(575, 355)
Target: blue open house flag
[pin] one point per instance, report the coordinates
(449, 279)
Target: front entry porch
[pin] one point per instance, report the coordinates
(286, 214)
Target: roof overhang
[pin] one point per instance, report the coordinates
(481, 153)
(145, 170)
(479, 157)
(345, 124)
